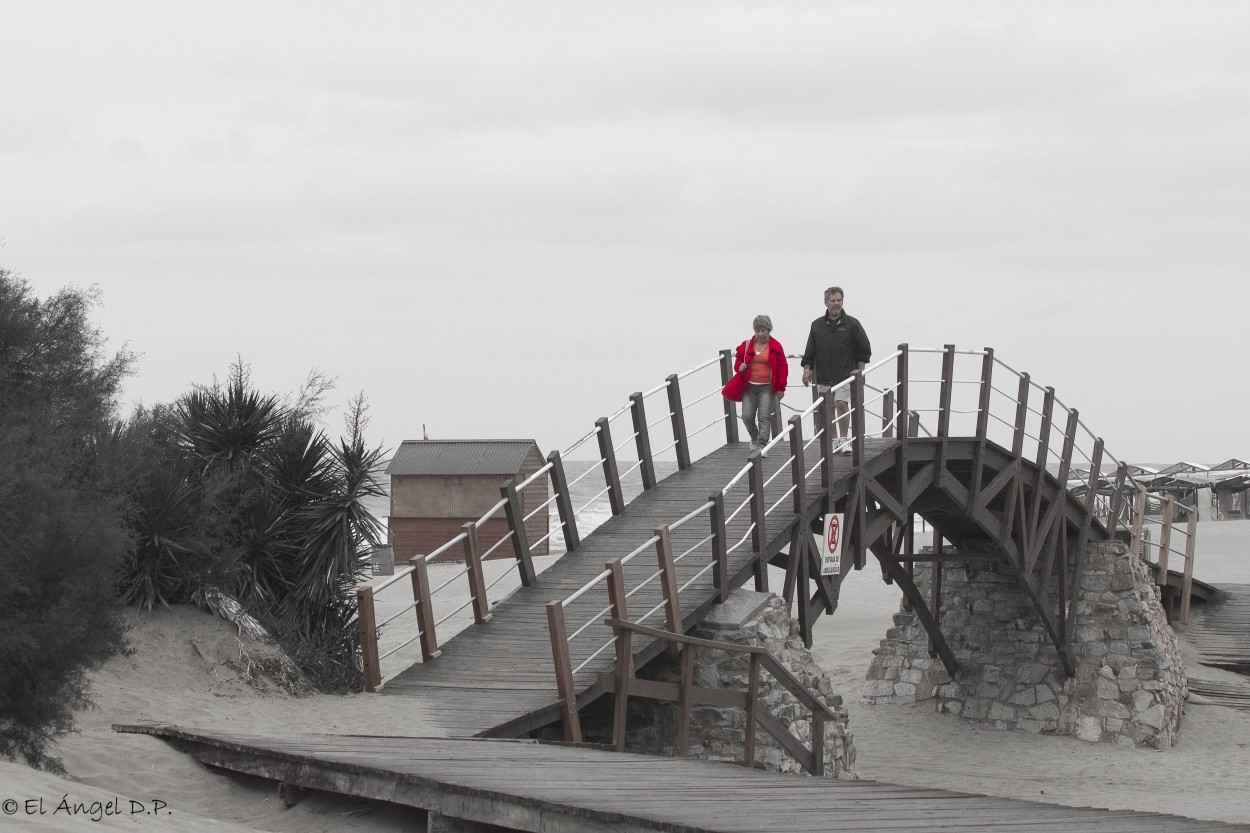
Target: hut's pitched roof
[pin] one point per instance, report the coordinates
(459, 457)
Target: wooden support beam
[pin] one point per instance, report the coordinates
(677, 415)
(642, 440)
(564, 502)
(905, 583)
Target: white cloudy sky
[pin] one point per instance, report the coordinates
(499, 219)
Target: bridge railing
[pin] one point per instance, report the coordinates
(1172, 539)
(940, 392)
(447, 597)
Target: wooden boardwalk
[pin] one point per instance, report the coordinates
(525, 785)
(1220, 632)
(497, 679)
(1220, 629)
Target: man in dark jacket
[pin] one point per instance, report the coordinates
(837, 346)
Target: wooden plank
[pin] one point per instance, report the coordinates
(562, 788)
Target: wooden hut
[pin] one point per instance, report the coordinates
(437, 486)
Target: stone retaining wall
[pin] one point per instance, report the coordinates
(1130, 684)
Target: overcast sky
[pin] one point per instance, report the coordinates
(499, 219)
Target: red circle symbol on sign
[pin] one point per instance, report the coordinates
(835, 530)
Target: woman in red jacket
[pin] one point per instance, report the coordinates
(762, 363)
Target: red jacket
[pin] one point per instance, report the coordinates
(776, 359)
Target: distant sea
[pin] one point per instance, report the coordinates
(595, 508)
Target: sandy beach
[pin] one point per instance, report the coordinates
(189, 668)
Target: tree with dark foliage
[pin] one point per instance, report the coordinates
(61, 534)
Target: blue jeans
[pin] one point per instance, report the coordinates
(757, 412)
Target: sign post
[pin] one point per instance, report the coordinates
(831, 545)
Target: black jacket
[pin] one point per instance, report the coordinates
(834, 349)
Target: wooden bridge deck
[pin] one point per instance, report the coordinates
(525, 785)
(497, 679)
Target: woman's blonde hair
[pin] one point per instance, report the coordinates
(762, 322)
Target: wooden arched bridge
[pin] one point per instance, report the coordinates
(956, 437)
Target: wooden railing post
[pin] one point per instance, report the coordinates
(1165, 541)
(564, 502)
(987, 388)
(678, 417)
(905, 429)
(569, 716)
(887, 415)
(720, 548)
(1138, 518)
(824, 413)
(624, 651)
(477, 582)
(798, 471)
(642, 441)
(731, 416)
(683, 700)
(1091, 498)
(668, 581)
(1117, 500)
(1022, 416)
(1187, 585)
(520, 540)
(983, 427)
(935, 602)
(858, 423)
(424, 608)
(817, 767)
(859, 542)
(948, 385)
(368, 621)
(611, 476)
(759, 534)
(753, 696)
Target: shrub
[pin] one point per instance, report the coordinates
(61, 537)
